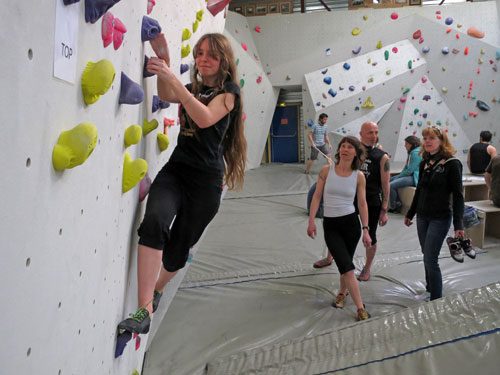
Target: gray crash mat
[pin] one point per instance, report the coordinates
(251, 296)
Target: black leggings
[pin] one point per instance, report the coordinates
(189, 196)
(342, 235)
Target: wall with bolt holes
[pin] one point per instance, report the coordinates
(68, 239)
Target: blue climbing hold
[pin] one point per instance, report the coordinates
(426, 49)
(318, 103)
(482, 106)
(332, 93)
(498, 54)
(419, 123)
(327, 80)
(150, 28)
(357, 50)
(145, 72)
(184, 68)
(445, 50)
(351, 88)
(310, 122)
(324, 71)
(121, 342)
(159, 104)
(347, 66)
(130, 92)
(448, 21)
(95, 9)
(426, 98)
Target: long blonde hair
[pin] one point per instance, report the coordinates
(233, 141)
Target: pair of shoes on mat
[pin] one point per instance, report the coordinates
(339, 302)
(364, 275)
(362, 314)
(325, 262)
(458, 247)
(137, 323)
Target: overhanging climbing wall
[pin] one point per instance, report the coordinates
(69, 236)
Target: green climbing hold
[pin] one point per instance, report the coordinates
(149, 126)
(410, 64)
(386, 55)
(388, 72)
(133, 172)
(163, 141)
(74, 146)
(242, 83)
(415, 111)
(406, 91)
(186, 34)
(185, 50)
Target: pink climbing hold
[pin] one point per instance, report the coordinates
(215, 6)
(400, 107)
(137, 342)
(457, 36)
(151, 4)
(417, 34)
(257, 28)
(244, 46)
(112, 30)
(259, 80)
(402, 99)
(394, 49)
(394, 16)
(144, 186)
(471, 113)
(438, 17)
(421, 40)
(243, 117)
(424, 79)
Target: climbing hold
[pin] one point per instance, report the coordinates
(421, 40)
(498, 54)
(444, 90)
(133, 172)
(185, 50)
(318, 103)
(448, 21)
(448, 31)
(457, 36)
(478, 70)
(445, 50)
(288, 78)
(481, 51)
(144, 187)
(145, 72)
(424, 115)
(237, 62)
(425, 49)
(184, 68)
(466, 51)
(394, 49)
(388, 72)
(415, 111)
(475, 32)
(482, 106)
(328, 51)
(439, 17)
(257, 28)
(324, 71)
(417, 34)
(158, 104)
(351, 88)
(95, 9)
(195, 25)
(133, 135)
(438, 122)
(216, 6)
(394, 16)
(243, 117)
(121, 342)
(419, 123)
(368, 103)
(370, 79)
(149, 126)
(443, 69)
(74, 146)
(386, 55)
(402, 99)
(242, 83)
(379, 45)
(130, 92)
(327, 80)
(406, 91)
(472, 113)
(455, 51)
(424, 79)
(186, 34)
(324, 95)
(479, 61)
(112, 29)
(162, 141)
(409, 64)
(347, 66)
(400, 107)
(356, 108)
(426, 98)
(466, 117)
(199, 15)
(355, 31)
(410, 123)
(244, 46)
(357, 50)
(332, 92)
(96, 80)
(150, 28)
(151, 4)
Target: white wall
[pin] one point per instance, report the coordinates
(69, 238)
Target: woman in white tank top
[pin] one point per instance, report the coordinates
(339, 184)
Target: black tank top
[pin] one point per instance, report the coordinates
(371, 170)
(479, 157)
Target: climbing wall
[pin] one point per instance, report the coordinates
(453, 81)
(69, 236)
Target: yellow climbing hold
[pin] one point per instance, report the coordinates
(96, 80)
(370, 79)
(355, 31)
(368, 103)
(199, 15)
(479, 61)
(149, 126)
(379, 45)
(133, 135)
(195, 25)
(74, 146)
(163, 141)
(365, 18)
(133, 172)
(482, 51)
(443, 69)
(135, 372)
(369, 61)
(185, 50)
(186, 34)
(388, 72)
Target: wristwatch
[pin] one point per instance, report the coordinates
(366, 227)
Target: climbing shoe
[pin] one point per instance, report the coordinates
(156, 299)
(456, 251)
(362, 314)
(466, 245)
(137, 323)
(340, 301)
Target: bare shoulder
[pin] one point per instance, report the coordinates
(323, 174)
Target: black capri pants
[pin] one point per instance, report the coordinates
(342, 235)
(192, 198)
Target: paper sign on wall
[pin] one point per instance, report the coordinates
(66, 41)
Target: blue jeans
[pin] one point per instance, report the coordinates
(431, 235)
(397, 183)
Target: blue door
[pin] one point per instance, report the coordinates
(284, 135)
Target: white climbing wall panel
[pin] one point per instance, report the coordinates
(69, 238)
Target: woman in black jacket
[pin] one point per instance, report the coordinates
(438, 199)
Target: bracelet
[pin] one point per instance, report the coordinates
(366, 227)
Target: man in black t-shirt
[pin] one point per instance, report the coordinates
(376, 169)
(481, 153)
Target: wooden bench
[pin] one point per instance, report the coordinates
(489, 216)
(475, 188)
(406, 196)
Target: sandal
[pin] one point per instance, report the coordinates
(325, 262)
(340, 301)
